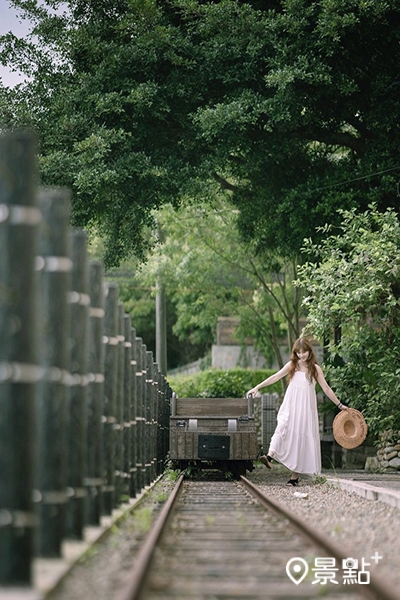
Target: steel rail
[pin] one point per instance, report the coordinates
(377, 589)
(143, 559)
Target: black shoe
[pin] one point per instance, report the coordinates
(266, 460)
(293, 481)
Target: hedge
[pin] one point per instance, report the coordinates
(214, 383)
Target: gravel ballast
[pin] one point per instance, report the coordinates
(361, 527)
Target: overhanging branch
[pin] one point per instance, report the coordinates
(224, 183)
(333, 138)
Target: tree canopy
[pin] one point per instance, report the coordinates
(208, 271)
(291, 106)
(353, 285)
(287, 107)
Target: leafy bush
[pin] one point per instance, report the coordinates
(214, 383)
(369, 378)
(353, 286)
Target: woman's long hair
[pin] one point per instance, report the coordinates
(303, 345)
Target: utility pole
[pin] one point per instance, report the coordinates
(161, 318)
(161, 329)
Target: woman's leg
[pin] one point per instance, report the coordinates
(267, 459)
(294, 478)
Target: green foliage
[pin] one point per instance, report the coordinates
(355, 288)
(208, 272)
(320, 479)
(369, 377)
(143, 518)
(291, 108)
(194, 472)
(137, 290)
(139, 301)
(216, 383)
(171, 474)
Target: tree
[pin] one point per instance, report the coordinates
(353, 282)
(292, 107)
(313, 118)
(137, 291)
(208, 272)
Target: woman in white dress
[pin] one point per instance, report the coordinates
(295, 442)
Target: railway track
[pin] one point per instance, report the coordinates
(225, 540)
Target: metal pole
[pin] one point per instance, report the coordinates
(19, 370)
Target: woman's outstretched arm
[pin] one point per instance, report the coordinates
(271, 379)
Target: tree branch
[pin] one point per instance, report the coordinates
(333, 138)
(224, 183)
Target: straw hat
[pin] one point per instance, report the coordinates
(349, 428)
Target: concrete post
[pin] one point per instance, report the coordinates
(110, 393)
(19, 369)
(95, 397)
(77, 423)
(52, 406)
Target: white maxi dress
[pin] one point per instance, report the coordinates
(295, 442)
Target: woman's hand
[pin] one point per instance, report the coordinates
(253, 391)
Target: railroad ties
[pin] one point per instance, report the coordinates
(227, 539)
(83, 406)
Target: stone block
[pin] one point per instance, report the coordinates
(390, 455)
(372, 464)
(395, 463)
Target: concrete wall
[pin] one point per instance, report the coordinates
(231, 356)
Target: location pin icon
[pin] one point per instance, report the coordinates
(297, 569)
